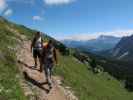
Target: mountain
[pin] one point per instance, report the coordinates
(124, 49)
(99, 44)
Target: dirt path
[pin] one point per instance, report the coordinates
(35, 79)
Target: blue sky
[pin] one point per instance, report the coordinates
(72, 18)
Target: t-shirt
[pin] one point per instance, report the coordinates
(38, 43)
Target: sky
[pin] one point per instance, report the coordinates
(72, 19)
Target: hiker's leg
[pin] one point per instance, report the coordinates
(51, 70)
(35, 57)
(49, 78)
(41, 64)
(40, 59)
(45, 72)
(35, 60)
(50, 75)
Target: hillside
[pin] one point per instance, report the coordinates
(90, 86)
(85, 84)
(9, 73)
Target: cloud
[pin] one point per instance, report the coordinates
(89, 36)
(3, 5)
(4, 8)
(37, 18)
(57, 2)
(8, 12)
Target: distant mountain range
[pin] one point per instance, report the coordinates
(101, 43)
(124, 49)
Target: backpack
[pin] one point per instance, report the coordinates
(48, 51)
(45, 44)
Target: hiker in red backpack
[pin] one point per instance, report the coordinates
(49, 58)
(36, 48)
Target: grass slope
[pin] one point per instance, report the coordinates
(9, 73)
(89, 86)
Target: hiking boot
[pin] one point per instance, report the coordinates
(41, 70)
(35, 65)
(49, 83)
(50, 86)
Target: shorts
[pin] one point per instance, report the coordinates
(36, 53)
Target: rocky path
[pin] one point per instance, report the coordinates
(34, 85)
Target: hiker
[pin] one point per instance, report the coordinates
(36, 48)
(49, 58)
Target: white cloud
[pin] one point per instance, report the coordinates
(4, 8)
(57, 2)
(37, 18)
(89, 36)
(3, 5)
(8, 12)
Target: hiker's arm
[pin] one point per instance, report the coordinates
(31, 46)
(42, 41)
(42, 56)
(55, 56)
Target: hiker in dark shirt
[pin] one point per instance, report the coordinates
(49, 58)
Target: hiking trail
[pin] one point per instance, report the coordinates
(34, 85)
